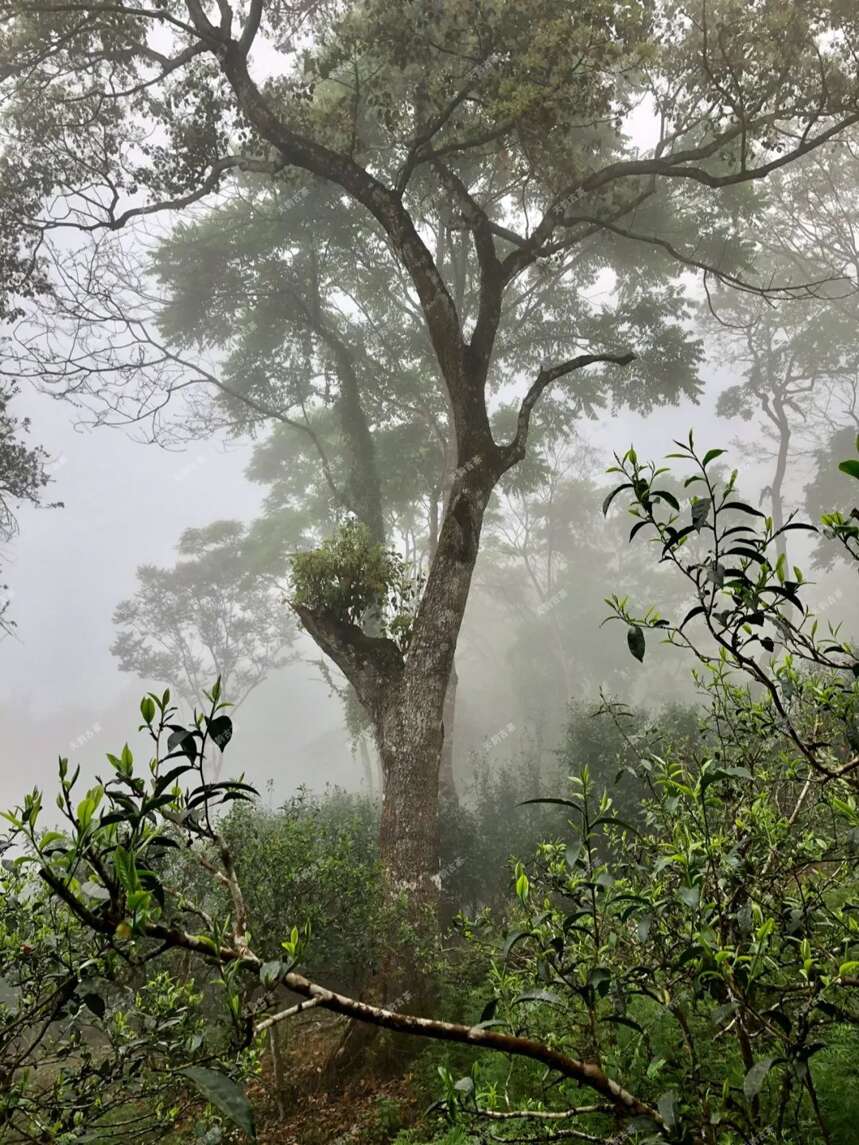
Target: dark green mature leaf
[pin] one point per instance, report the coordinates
(183, 739)
(169, 778)
(636, 642)
(667, 497)
(851, 468)
(270, 972)
(222, 1092)
(608, 500)
(690, 896)
(539, 996)
(756, 1076)
(95, 890)
(693, 612)
(724, 773)
(488, 1012)
(742, 507)
(512, 939)
(665, 1104)
(95, 1004)
(599, 980)
(221, 730)
(623, 1020)
(553, 799)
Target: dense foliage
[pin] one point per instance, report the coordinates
(693, 960)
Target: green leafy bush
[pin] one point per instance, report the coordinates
(312, 863)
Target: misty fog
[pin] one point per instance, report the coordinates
(429, 443)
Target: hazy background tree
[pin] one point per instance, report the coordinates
(798, 358)
(216, 614)
(23, 477)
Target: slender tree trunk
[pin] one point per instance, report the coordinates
(777, 488)
(363, 483)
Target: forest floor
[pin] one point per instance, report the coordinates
(367, 1110)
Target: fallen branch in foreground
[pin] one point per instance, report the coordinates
(584, 1072)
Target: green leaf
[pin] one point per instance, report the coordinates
(95, 891)
(221, 730)
(756, 1076)
(522, 886)
(95, 1004)
(636, 642)
(182, 739)
(700, 509)
(742, 507)
(711, 455)
(724, 773)
(561, 802)
(539, 996)
(851, 468)
(608, 500)
(599, 980)
(270, 972)
(665, 1105)
(512, 939)
(690, 896)
(488, 1012)
(222, 1092)
(669, 498)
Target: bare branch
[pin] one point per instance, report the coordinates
(283, 1015)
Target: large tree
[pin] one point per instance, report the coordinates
(516, 117)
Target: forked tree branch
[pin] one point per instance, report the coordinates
(371, 664)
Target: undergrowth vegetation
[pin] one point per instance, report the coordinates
(656, 941)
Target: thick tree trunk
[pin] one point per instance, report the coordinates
(410, 733)
(410, 737)
(410, 743)
(447, 774)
